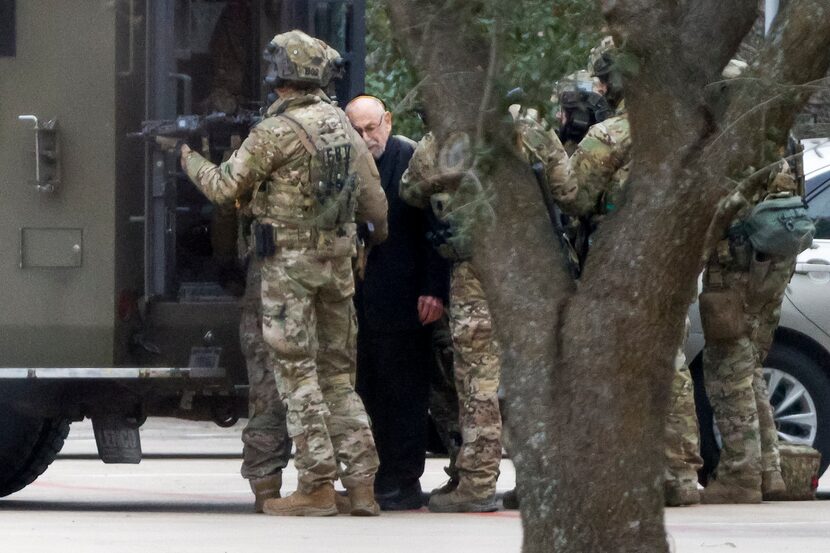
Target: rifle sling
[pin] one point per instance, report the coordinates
(302, 134)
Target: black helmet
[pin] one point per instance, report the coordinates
(608, 72)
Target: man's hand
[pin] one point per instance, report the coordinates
(430, 309)
(185, 151)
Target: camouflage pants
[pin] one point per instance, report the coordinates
(267, 446)
(767, 320)
(443, 398)
(682, 435)
(733, 367)
(309, 322)
(476, 365)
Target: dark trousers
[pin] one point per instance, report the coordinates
(393, 379)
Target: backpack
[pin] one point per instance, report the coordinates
(780, 226)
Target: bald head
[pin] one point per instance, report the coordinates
(371, 120)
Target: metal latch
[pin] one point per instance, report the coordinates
(47, 154)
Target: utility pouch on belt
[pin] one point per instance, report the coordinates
(264, 240)
(738, 251)
(780, 226)
(244, 239)
(759, 269)
(721, 313)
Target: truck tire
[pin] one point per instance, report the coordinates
(28, 445)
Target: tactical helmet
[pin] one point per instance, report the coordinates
(297, 57)
(605, 45)
(582, 110)
(604, 65)
(606, 69)
(573, 82)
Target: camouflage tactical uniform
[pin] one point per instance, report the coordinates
(733, 369)
(538, 144)
(732, 360)
(477, 372)
(267, 446)
(476, 355)
(443, 398)
(577, 107)
(598, 170)
(307, 284)
(476, 363)
(682, 436)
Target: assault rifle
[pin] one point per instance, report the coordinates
(516, 96)
(571, 259)
(213, 132)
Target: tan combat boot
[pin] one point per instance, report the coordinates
(265, 488)
(719, 492)
(677, 494)
(362, 501)
(450, 484)
(773, 487)
(447, 487)
(463, 500)
(319, 503)
(344, 506)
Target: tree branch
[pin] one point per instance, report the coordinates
(710, 33)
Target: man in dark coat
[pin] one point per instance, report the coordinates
(403, 292)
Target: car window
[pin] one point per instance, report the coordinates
(814, 182)
(819, 209)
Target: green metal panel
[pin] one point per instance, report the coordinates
(45, 248)
(64, 69)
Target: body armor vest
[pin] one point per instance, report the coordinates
(310, 199)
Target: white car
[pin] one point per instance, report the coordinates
(798, 366)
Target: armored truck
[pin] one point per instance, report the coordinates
(119, 282)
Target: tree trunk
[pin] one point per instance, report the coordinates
(587, 365)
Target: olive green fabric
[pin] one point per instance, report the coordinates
(780, 226)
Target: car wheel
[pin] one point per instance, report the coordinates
(800, 397)
(28, 445)
(799, 391)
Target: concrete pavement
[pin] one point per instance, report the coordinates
(202, 505)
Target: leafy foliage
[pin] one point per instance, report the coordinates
(388, 75)
(547, 40)
(542, 40)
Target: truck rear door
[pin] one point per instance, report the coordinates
(57, 176)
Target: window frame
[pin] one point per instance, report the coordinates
(821, 190)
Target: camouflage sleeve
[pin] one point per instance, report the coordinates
(542, 145)
(247, 166)
(416, 187)
(591, 171)
(371, 199)
(783, 181)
